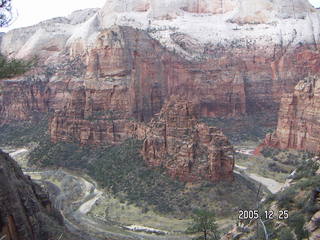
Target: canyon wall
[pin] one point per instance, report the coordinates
(299, 118)
(104, 75)
(22, 98)
(128, 77)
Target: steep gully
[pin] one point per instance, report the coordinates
(78, 221)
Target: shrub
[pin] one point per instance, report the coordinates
(14, 67)
(286, 198)
(285, 234)
(306, 169)
(296, 222)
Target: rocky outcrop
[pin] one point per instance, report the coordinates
(24, 206)
(313, 225)
(187, 149)
(298, 124)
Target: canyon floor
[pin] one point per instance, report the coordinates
(94, 212)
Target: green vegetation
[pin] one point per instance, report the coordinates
(296, 222)
(274, 163)
(287, 157)
(299, 198)
(285, 234)
(23, 133)
(121, 170)
(285, 198)
(13, 67)
(204, 222)
(306, 169)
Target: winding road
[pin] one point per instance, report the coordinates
(272, 185)
(75, 212)
(77, 220)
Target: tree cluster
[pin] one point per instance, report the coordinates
(13, 67)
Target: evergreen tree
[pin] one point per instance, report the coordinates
(204, 222)
(13, 67)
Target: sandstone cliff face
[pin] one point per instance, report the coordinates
(187, 149)
(128, 77)
(22, 97)
(298, 124)
(23, 204)
(109, 73)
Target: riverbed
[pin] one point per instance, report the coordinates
(75, 195)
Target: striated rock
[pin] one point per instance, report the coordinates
(187, 149)
(23, 97)
(23, 204)
(129, 76)
(298, 123)
(128, 73)
(313, 226)
(104, 75)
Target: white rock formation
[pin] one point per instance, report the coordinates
(81, 16)
(211, 6)
(43, 39)
(83, 36)
(293, 8)
(196, 22)
(112, 8)
(48, 37)
(167, 9)
(253, 11)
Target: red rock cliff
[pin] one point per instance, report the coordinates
(298, 124)
(188, 149)
(129, 76)
(112, 72)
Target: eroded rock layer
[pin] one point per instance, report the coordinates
(128, 77)
(23, 204)
(23, 97)
(188, 149)
(299, 118)
(104, 74)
